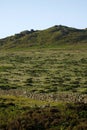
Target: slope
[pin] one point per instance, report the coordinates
(57, 35)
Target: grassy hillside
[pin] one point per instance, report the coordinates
(43, 75)
(54, 36)
(44, 70)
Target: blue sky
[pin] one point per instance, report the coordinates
(19, 15)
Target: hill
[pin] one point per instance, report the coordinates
(54, 36)
(44, 87)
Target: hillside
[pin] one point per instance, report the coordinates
(54, 36)
(44, 87)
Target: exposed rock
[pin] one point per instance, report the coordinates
(65, 97)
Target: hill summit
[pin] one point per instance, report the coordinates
(53, 36)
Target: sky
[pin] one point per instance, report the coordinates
(20, 15)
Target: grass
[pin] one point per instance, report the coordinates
(47, 62)
(44, 70)
(17, 113)
(47, 71)
(55, 36)
(12, 107)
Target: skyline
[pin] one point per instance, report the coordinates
(19, 15)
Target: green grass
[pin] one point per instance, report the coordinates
(47, 62)
(12, 107)
(44, 70)
(56, 115)
(17, 113)
(47, 71)
(55, 36)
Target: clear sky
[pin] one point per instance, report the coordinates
(19, 15)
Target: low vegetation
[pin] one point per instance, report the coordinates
(55, 36)
(44, 70)
(43, 80)
(71, 117)
(22, 114)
